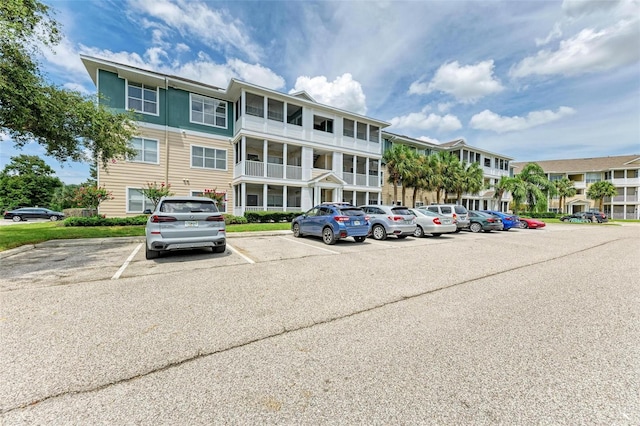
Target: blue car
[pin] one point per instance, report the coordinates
(333, 221)
(508, 220)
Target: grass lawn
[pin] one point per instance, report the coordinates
(17, 235)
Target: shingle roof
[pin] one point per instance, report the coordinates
(584, 164)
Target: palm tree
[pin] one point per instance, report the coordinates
(503, 185)
(468, 178)
(421, 177)
(536, 187)
(564, 188)
(399, 162)
(446, 168)
(599, 190)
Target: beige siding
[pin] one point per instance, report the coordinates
(183, 179)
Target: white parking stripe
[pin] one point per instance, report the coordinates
(310, 245)
(126, 262)
(249, 260)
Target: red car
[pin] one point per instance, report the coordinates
(526, 223)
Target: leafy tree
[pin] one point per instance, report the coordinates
(500, 187)
(64, 197)
(533, 185)
(154, 192)
(467, 178)
(599, 190)
(27, 181)
(421, 176)
(446, 169)
(564, 189)
(91, 196)
(399, 160)
(64, 122)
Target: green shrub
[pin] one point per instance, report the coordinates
(230, 219)
(268, 217)
(102, 221)
(543, 215)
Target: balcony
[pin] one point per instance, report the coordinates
(276, 171)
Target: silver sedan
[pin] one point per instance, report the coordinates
(432, 223)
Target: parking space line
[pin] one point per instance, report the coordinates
(310, 245)
(126, 262)
(249, 260)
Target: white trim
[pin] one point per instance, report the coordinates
(126, 99)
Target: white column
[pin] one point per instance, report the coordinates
(284, 198)
(243, 197)
(366, 171)
(355, 170)
(265, 152)
(284, 161)
(264, 196)
(243, 154)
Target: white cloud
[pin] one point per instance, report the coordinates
(489, 120)
(344, 92)
(577, 8)
(588, 51)
(466, 83)
(195, 19)
(428, 139)
(420, 120)
(555, 33)
(76, 88)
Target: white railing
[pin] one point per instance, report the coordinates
(275, 170)
(255, 111)
(254, 168)
(294, 172)
(275, 208)
(361, 180)
(373, 180)
(625, 181)
(254, 209)
(348, 177)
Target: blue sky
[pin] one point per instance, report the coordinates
(533, 80)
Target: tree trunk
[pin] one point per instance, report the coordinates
(415, 194)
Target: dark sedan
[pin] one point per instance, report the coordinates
(27, 213)
(484, 222)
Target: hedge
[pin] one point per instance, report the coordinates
(102, 221)
(543, 215)
(266, 217)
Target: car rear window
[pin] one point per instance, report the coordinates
(446, 209)
(460, 210)
(352, 212)
(400, 210)
(188, 206)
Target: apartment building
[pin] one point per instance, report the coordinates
(622, 171)
(264, 150)
(493, 167)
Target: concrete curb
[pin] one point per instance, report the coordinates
(119, 240)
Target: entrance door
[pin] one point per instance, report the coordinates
(326, 195)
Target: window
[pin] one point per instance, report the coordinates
(362, 131)
(208, 111)
(146, 150)
(294, 114)
(374, 133)
(594, 177)
(238, 109)
(497, 163)
(137, 202)
(208, 158)
(487, 162)
(348, 127)
(255, 105)
(142, 98)
(275, 110)
(502, 165)
(323, 124)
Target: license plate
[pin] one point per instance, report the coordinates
(190, 223)
(356, 222)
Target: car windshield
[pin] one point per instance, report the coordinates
(401, 210)
(352, 212)
(188, 206)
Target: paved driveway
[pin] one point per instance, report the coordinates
(518, 327)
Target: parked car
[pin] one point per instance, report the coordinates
(508, 220)
(26, 213)
(390, 220)
(528, 223)
(459, 213)
(332, 221)
(179, 223)
(586, 216)
(483, 222)
(428, 222)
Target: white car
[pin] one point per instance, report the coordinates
(390, 220)
(432, 223)
(180, 223)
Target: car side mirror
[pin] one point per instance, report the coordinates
(147, 211)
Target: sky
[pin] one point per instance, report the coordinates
(532, 80)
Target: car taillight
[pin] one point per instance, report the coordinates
(395, 218)
(455, 216)
(367, 218)
(490, 220)
(215, 219)
(436, 220)
(158, 219)
(341, 218)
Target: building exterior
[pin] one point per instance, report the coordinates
(493, 166)
(263, 149)
(622, 171)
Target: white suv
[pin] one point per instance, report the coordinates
(459, 213)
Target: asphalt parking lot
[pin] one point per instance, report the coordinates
(518, 327)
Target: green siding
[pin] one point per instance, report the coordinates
(113, 89)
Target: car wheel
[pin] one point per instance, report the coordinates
(150, 254)
(437, 235)
(359, 239)
(296, 230)
(328, 236)
(53, 218)
(524, 225)
(458, 230)
(219, 249)
(419, 232)
(16, 218)
(379, 233)
(565, 220)
(475, 227)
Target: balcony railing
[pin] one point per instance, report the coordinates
(361, 180)
(348, 177)
(294, 172)
(275, 170)
(373, 180)
(256, 168)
